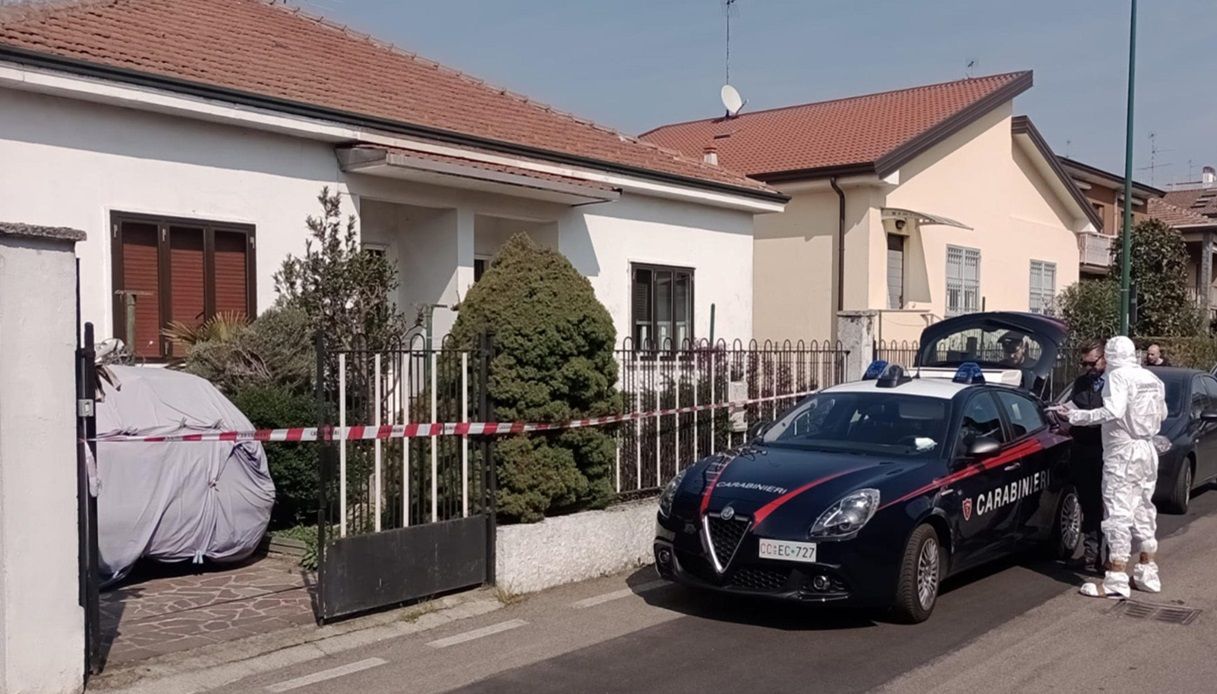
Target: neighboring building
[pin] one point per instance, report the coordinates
(1191, 208)
(1105, 193)
(191, 140)
(918, 203)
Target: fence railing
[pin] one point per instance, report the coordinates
(396, 483)
(903, 353)
(652, 449)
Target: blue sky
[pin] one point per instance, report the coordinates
(635, 64)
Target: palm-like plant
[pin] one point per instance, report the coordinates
(222, 327)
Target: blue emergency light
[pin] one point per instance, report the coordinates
(875, 370)
(892, 376)
(969, 374)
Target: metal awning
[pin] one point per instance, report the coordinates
(922, 218)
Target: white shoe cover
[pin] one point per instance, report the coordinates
(1114, 586)
(1145, 577)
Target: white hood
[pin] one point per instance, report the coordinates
(1121, 353)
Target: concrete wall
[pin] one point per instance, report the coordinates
(566, 549)
(41, 622)
(73, 163)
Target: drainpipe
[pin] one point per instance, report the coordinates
(840, 243)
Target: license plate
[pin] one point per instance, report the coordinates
(785, 550)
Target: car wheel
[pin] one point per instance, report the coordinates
(920, 576)
(1066, 526)
(1181, 495)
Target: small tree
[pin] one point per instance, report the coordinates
(345, 291)
(554, 362)
(1164, 303)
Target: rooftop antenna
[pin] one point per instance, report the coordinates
(970, 66)
(1153, 158)
(732, 101)
(1068, 147)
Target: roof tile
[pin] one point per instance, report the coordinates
(1174, 215)
(275, 51)
(855, 131)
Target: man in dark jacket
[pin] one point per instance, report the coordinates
(1087, 463)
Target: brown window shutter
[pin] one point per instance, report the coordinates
(141, 274)
(186, 272)
(231, 287)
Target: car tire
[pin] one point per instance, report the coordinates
(1066, 535)
(1181, 495)
(920, 576)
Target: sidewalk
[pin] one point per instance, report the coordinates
(1077, 644)
(168, 609)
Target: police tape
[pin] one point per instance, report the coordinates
(429, 429)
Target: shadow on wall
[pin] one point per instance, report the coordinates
(111, 130)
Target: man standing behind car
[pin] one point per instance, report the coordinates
(1087, 459)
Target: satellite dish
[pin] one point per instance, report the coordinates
(731, 100)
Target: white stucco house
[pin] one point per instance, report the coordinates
(190, 142)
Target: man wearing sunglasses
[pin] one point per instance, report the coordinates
(1087, 461)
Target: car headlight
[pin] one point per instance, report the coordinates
(669, 493)
(1161, 443)
(846, 517)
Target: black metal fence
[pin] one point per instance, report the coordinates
(901, 352)
(771, 376)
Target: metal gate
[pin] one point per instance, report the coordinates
(86, 451)
(402, 519)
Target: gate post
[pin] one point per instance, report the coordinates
(486, 412)
(86, 428)
(325, 448)
(857, 333)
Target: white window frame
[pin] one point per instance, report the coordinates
(1042, 287)
(957, 280)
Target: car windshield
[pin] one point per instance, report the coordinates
(994, 347)
(867, 422)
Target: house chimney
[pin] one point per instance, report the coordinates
(1208, 176)
(710, 155)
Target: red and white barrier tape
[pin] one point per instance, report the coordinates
(423, 430)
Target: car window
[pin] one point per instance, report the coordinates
(1210, 389)
(980, 419)
(1200, 398)
(885, 423)
(1022, 413)
(989, 346)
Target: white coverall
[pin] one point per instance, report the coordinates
(1134, 406)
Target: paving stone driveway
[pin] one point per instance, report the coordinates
(171, 608)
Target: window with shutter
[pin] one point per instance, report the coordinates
(895, 271)
(661, 306)
(1043, 287)
(178, 270)
(963, 280)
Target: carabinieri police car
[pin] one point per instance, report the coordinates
(871, 493)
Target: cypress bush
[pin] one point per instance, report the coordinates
(553, 362)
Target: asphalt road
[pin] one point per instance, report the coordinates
(636, 634)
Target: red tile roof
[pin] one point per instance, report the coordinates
(1176, 216)
(1201, 201)
(875, 132)
(256, 48)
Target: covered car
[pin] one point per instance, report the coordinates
(186, 501)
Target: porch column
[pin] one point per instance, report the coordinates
(41, 620)
(1204, 290)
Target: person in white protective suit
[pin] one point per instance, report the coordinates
(1134, 406)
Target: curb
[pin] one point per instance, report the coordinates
(213, 666)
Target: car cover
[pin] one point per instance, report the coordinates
(185, 501)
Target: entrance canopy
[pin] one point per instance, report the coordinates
(922, 218)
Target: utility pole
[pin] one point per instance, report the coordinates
(1126, 241)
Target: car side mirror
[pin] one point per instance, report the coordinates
(982, 447)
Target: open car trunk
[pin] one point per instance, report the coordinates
(1016, 349)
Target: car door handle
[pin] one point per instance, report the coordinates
(1013, 466)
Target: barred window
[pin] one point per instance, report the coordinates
(963, 280)
(1043, 287)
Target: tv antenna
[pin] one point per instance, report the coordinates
(972, 63)
(1154, 151)
(732, 101)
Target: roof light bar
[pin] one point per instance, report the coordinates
(969, 373)
(892, 376)
(875, 370)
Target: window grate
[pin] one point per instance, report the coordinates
(1168, 614)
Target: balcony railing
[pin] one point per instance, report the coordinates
(1095, 250)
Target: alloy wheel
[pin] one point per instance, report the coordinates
(1071, 522)
(927, 573)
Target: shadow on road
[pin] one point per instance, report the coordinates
(769, 614)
